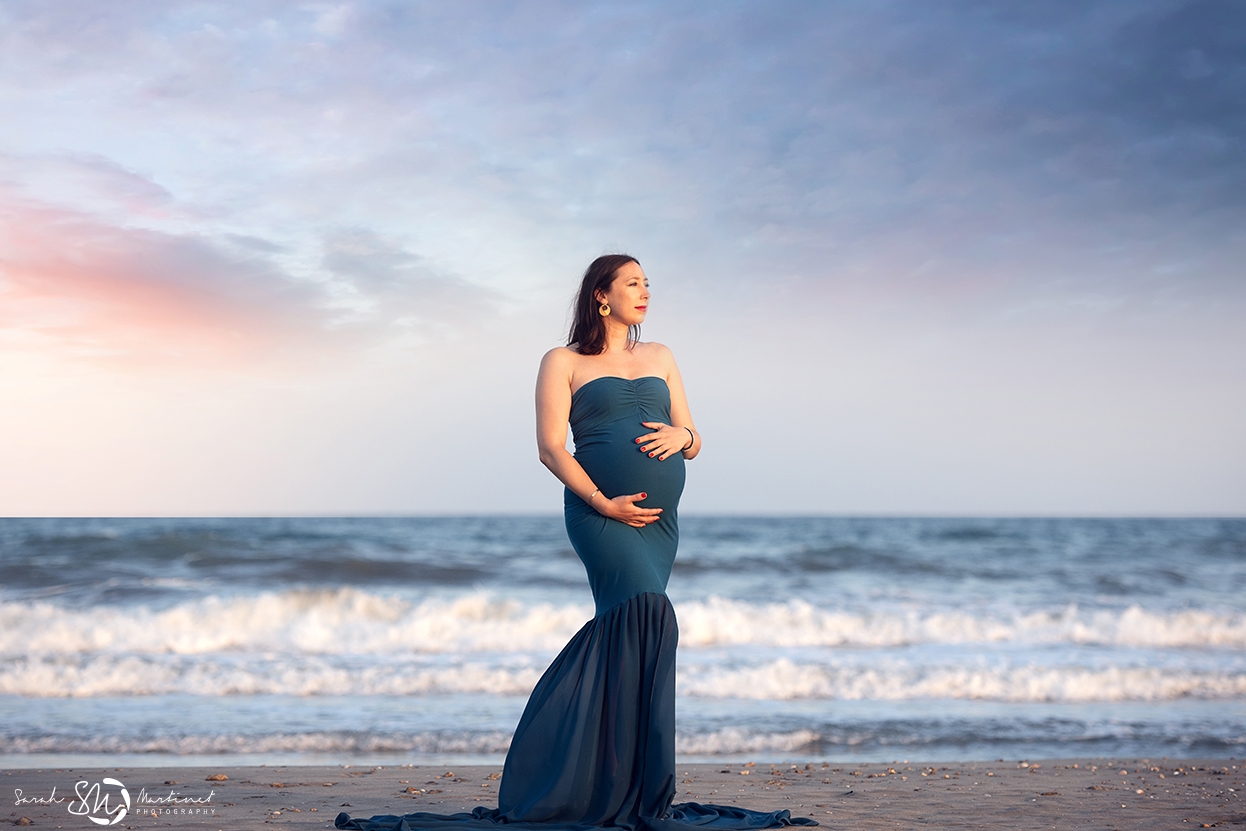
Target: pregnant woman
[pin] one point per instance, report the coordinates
(595, 746)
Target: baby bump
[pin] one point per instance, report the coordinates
(623, 561)
(619, 468)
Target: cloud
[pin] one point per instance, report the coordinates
(381, 285)
(1021, 213)
(905, 146)
(88, 181)
(79, 285)
(85, 287)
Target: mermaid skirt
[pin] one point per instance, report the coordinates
(595, 746)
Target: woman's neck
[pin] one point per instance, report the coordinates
(616, 337)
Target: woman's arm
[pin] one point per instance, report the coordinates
(553, 407)
(681, 434)
(681, 416)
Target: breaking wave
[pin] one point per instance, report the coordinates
(783, 679)
(354, 621)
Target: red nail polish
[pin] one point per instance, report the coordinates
(650, 455)
(644, 495)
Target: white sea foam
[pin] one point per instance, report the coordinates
(785, 679)
(86, 676)
(734, 740)
(719, 621)
(318, 622)
(314, 742)
(353, 621)
(352, 642)
(107, 674)
(718, 743)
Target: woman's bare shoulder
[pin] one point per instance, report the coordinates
(559, 362)
(658, 352)
(560, 355)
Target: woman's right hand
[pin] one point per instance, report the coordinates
(624, 509)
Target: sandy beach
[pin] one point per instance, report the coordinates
(1093, 793)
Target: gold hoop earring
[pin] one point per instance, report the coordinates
(604, 311)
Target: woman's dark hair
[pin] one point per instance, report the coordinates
(588, 328)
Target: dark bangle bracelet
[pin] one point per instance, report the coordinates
(692, 439)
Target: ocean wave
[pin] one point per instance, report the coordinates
(93, 676)
(734, 740)
(341, 621)
(313, 742)
(723, 622)
(817, 740)
(482, 742)
(782, 679)
(785, 679)
(354, 621)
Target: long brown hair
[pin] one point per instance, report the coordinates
(588, 327)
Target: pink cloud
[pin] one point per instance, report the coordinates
(73, 283)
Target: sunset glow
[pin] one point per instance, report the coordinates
(912, 258)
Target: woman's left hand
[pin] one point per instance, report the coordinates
(664, 440)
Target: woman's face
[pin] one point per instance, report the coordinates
(628, 296)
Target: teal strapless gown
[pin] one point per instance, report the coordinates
(595, 746)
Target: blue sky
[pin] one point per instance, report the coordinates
(913, 258)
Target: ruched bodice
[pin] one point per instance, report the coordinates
(607, 416)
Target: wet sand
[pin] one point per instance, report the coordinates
(1082, 794)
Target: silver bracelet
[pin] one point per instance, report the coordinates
(589, 501)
